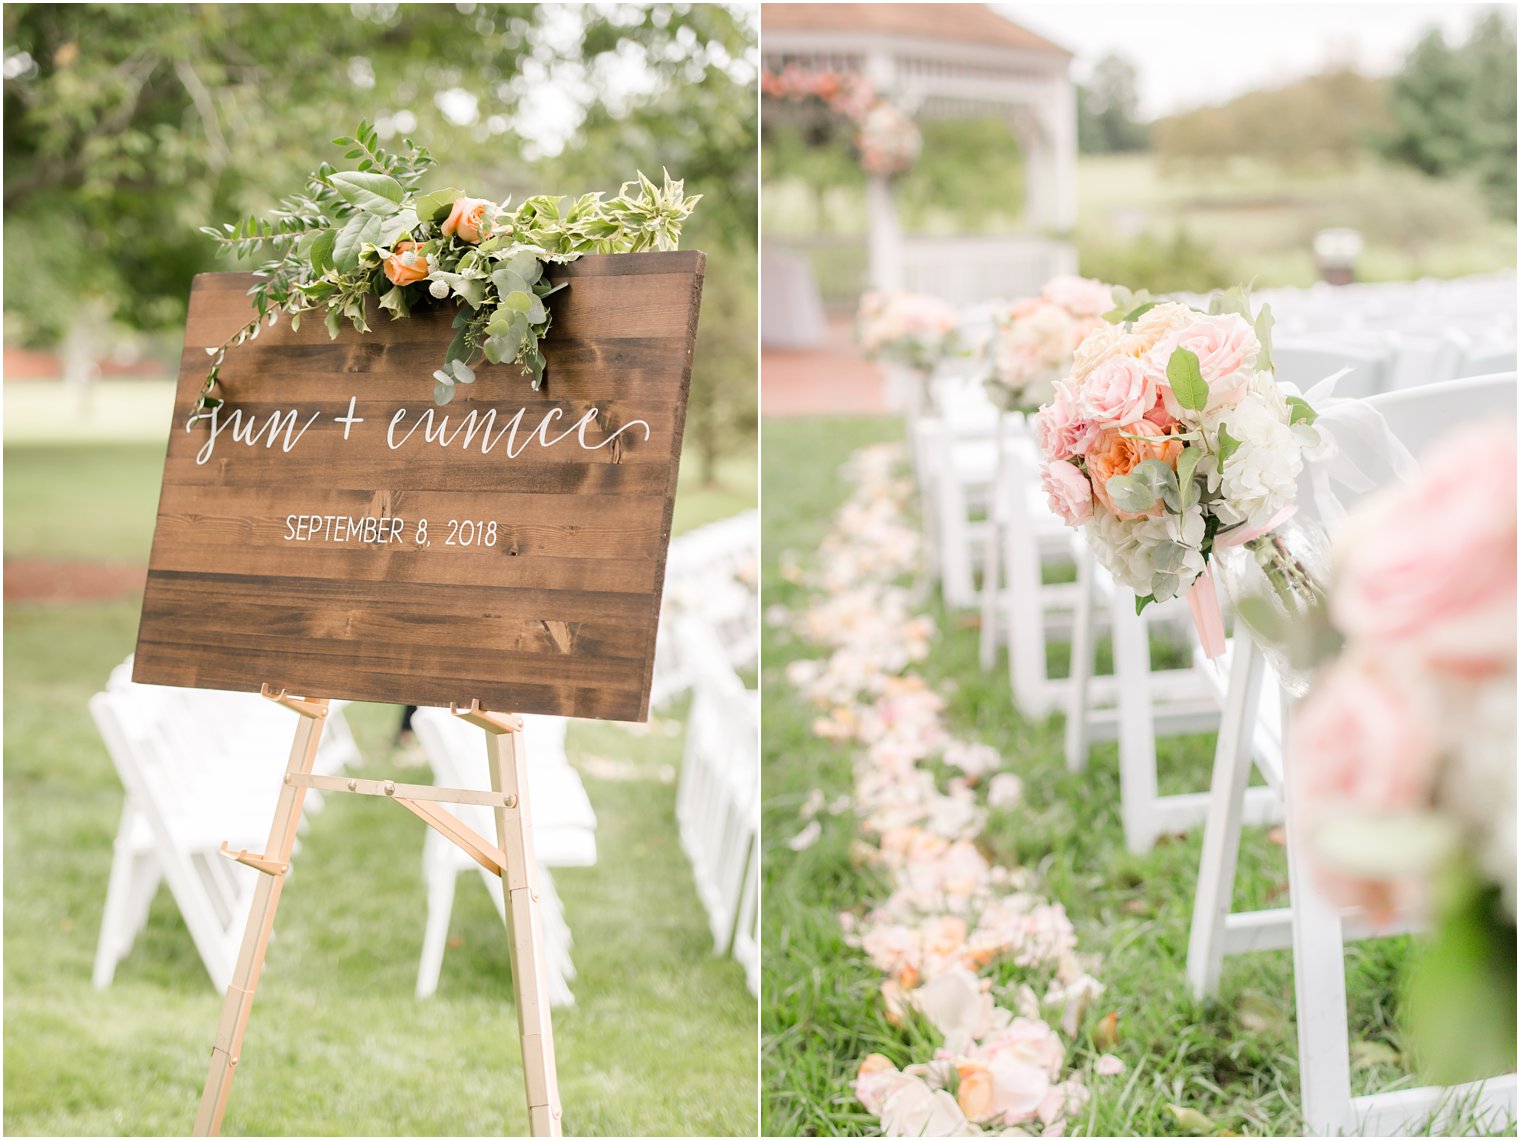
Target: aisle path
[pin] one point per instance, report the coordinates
(833, 379)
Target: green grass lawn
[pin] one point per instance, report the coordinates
(661, 1040)
(1233, 1059)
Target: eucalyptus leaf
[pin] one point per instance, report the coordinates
(1299, 411)
(1264, 323)
(519, 301)
(368, 191)
(1187, 463)
(1187, 381)
(443, 393)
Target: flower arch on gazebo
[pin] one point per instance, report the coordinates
(939, 61)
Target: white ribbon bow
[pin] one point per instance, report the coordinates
(1342, 420)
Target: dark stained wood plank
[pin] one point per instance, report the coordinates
(250, 583)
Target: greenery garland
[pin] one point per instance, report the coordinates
(353, 234)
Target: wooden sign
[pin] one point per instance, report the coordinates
(335, 533)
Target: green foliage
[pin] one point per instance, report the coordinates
(1325, 119)
(1453, 109)
(1188, 384)
(1184, 263)
(1108, 107)
(342, 244)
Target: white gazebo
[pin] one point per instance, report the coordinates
(952, 61)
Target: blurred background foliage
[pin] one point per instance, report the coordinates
(1422, 162)
(128, 126)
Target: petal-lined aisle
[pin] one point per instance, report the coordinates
(976, 950)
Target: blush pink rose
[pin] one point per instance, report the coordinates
(1118, 391)
(1018, 1089)
(1358, 739)
(1226, 347)
(1069, 493)
(1059, 430)
(1429, 567)
(1079, 296)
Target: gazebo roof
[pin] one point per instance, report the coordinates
(959, 23)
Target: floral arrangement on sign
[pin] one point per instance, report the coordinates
(887, 140)
(1170, 441)
(1404, 748)
(370, 232)
(1034, 340)
(911, 329)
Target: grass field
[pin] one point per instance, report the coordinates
(1234, 1059)
(661, 1040)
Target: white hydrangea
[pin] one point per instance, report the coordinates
(1261, 477)
(1158, 556)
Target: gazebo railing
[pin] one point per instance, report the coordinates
(970, 270)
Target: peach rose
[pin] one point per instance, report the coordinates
(1069, 493)
(1115, 454)
(468, 219)
(1429, 567)
(1118, 391)
(405, 266)
(1060, 431)
(1226, 347)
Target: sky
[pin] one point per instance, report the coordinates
(1192, 55)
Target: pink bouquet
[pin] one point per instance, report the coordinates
(911, 329)
(1168, 440)
(1035, 338)
(887, 140)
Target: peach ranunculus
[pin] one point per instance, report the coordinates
(469, 219)
(405, 265)
(1428, 570)
(1059, 428)
(1117, 452)
(1118, 391)
(1226, 347)
(1069, 493)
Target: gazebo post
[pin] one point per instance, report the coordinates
(886, 247)
(1063, 140)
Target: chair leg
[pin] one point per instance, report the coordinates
(1026, 613)
(442, 880)
(992, 571)
(1319, 985)
(1082, 665)
(1137, 738)
(1221, 830)
(118, 926)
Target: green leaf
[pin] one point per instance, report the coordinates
(1141, 601)
(442, 393)
(394, 302)
(1187, 380)
(322, 252)
(1131, 493)
(1299, 411)
(518, 301)
(368, 191)
(393, 227)
(437, 205)
(1263, 618)
(1228, 445)
(1264, 323)
(472, 290)
(1187, 463)
(459, 347)
(359, 229)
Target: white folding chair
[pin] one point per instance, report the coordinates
(1306, 361)
(717, 806)
(564, 835)
(1136, 705)
(1315, 929)
(176, 816)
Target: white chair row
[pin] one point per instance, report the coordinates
(711, 572)
(564, 834)
(199, 768)
(717, 801)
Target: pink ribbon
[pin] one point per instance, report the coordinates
(1203, 596)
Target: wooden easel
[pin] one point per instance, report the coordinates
(512, 859)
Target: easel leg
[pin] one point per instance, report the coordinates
(266, 897)
(530, 982)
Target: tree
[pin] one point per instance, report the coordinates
(1108, 109)
(1453, 109)
(129, 126)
